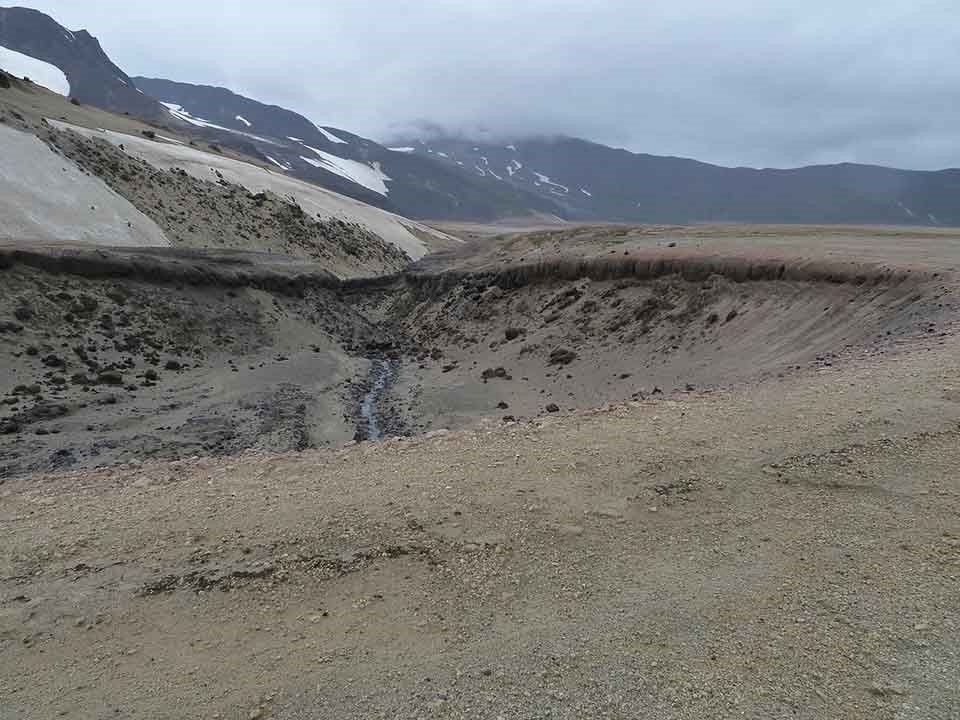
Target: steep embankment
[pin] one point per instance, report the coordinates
(109, 356)
(89, 371)
(521, 341)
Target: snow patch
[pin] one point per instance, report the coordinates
(331, 137)
(547, 181)
(513, 167)
(294, 139)
(178, 112)
(442, 154)
(39, 72)
(402, 149)
(244, 121)
(511, 147)
(372, 178)
(907, 210)
(586, 192)
(278, 163)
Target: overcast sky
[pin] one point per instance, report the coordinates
(735, 82)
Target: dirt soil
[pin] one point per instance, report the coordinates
(777, 538)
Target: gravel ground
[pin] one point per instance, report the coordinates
(788, 549)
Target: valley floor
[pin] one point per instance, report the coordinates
(777, 537)
(787, 549)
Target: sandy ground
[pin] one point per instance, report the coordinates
(901, 246)
(785, 550)
(44, 196)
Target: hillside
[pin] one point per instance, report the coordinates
(589, 181)
(103, 175)
(336, 158)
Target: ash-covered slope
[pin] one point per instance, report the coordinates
(92, 77)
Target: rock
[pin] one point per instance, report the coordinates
(502, 405)
(53, 361)
(491, 373)
(9, 427)
(151, 374)
(509, 419)
(173, 365)
(7, 326)
(110, 377)
(512, 333)
(562, 356)
(552, 408)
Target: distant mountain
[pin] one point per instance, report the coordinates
(92, 77)
(410, 184)
(589, 181)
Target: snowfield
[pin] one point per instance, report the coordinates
(372, 178)
(278, 163)
(178, 112)
(331, 137)
(40, 72)
(46, 197)
(409, 236)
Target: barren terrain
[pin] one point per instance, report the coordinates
(775, 533)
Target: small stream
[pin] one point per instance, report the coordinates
(381, 372)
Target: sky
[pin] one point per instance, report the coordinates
(760, 83)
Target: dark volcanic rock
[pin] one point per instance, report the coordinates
(562, 356)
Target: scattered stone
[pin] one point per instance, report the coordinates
(110, 377)
(562, 356)
(552, 408)
(498, 372)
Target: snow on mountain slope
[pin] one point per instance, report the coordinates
(414, 239)
(372, 178)
(44, 197)
(40, 72)
(331, 137)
